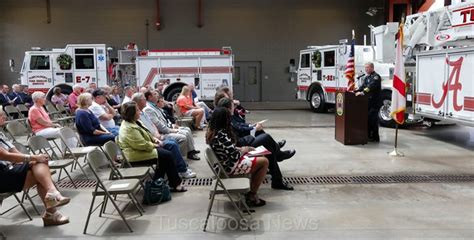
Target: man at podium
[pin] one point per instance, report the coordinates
(372, 87)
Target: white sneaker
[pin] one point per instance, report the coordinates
(188, 174)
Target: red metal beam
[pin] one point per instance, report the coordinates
(426, 6)
(158, 20)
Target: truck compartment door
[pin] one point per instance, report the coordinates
(432, 73)
(461, 87)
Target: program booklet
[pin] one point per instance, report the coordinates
(259, 151)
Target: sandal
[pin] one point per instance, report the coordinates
(55, 199)
(179, 188)
(255, 201)
(54, 219)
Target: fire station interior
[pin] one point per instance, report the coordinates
(287, 63)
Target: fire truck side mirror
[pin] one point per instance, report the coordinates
(11, 62)
(292, 66)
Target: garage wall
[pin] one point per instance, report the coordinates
(269, 31)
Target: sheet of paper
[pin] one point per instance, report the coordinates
(122, 185)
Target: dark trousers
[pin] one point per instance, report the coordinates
(173, 147)
(165, 166)
(269, 143)
(373, 125)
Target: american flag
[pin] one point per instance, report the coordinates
(350, 71)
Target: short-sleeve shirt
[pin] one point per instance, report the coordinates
(182, 102)
(36, 113)
(72, 100)
(99, 110)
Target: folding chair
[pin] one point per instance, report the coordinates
(13, 113)
(73, 146)
(111, 150)
(55, 115)
(40, 145)
(22, 108)
(181, 119)
(6, 195)
(64, 111)
(109, 188)
(19, 132)
(226, 186)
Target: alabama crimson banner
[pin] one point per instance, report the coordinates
(399, 84)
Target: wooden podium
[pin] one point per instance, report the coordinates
(351, 118)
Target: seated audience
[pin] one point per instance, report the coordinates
(267, 141)
(103, 111)
(25, 95)
(72, 98)
(168, 144)
(19, 172)
(15, 95)
(239, 109)
(4, 98)
(182, 135)
(235, 160)
(115, 94)
(203, 105)
(129, 91)
(58, 97)
(87, 124)
(140, 148)
(39, 119)
(186, 106)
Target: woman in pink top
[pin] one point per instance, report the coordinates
(186, 106)
(58, 98)
(39, 119)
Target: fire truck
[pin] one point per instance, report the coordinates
(320, 73)
(439, 58)
(83, 64)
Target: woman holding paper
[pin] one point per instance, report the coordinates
(235, 160)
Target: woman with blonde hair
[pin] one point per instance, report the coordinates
(186, 105)
(88, 126)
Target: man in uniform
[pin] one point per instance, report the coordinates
(372, 87)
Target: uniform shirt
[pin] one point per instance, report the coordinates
(372, 87)
(99, 110)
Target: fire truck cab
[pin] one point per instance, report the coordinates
(321, 69)
(41, 70)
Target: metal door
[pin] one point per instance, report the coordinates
(247, 81)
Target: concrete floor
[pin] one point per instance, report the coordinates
(381, 211)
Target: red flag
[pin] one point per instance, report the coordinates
(399, 83)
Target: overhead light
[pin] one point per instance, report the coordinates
(372, 11)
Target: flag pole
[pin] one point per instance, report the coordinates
(395, 152)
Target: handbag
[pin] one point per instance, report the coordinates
(156, 191)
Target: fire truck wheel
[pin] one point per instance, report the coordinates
(317, 102)
(173, 94)
(384, 114)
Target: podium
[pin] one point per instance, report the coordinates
(351, 118)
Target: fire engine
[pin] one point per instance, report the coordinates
(439, 57)
(321, 73)
(82, 64)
